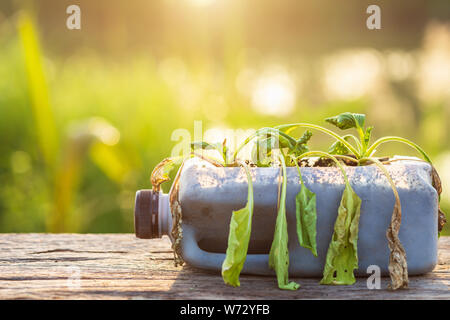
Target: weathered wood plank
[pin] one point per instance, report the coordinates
(119, 266)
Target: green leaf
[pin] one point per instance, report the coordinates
(342, 255)
(305, 137)
(305, 210)
(300, 146)
(338, 148)
(262, 150)
(306, 219)
(348, 120)
(367, 135)
(238, 238)
(279, 253)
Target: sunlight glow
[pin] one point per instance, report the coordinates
(104, 131)
(274, 93)
(351, 74)
(434, 71)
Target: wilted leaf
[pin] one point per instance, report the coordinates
(342, 255)
(161, 172)
(238, 238)
(305, 209)
(279, 253)
(436, 182)
(398, 268)
(347, 120)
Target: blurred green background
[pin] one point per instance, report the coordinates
(86, 114)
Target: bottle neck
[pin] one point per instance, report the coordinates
(165, 216)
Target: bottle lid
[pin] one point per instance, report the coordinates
(146, 214)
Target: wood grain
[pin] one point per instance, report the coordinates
(120, 266)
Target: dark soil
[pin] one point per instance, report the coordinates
(325, 162)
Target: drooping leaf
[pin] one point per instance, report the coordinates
(348, 120)
(306, 214)
(238, 238)
(160, 173)
(279, 253)
(342, 255)
(398, 268)
(436, 183)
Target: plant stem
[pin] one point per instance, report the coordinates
(397, 139)
(358, 143)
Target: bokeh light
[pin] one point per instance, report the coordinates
(274, 92)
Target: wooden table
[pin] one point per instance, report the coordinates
(119, 266)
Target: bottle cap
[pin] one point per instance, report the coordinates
(146, 214)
